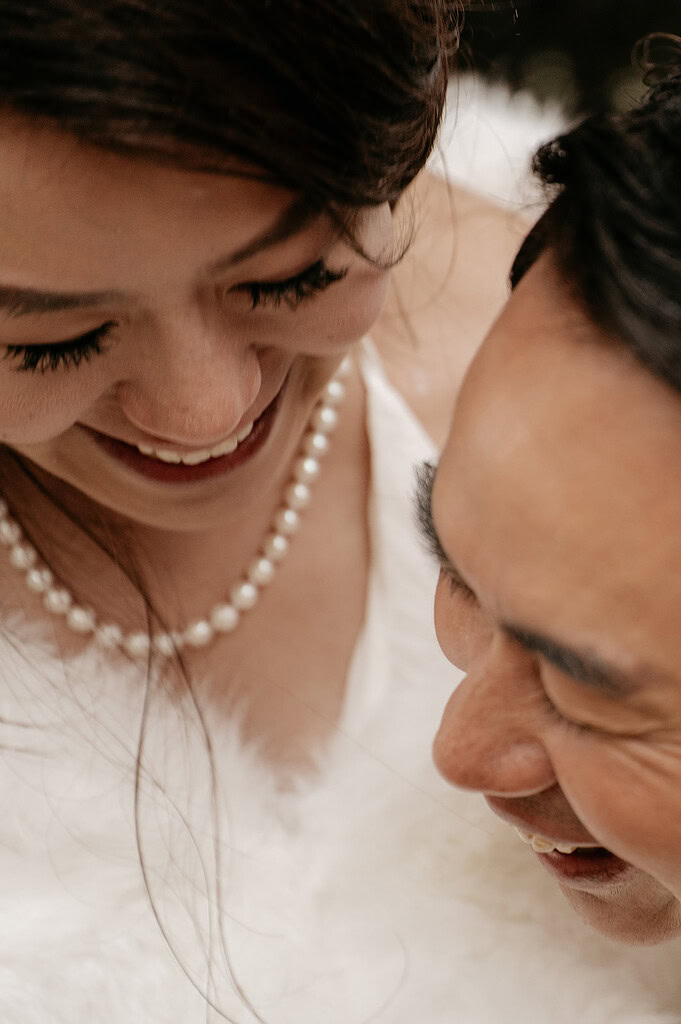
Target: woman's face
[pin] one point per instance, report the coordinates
(143, 305)
(557, 503)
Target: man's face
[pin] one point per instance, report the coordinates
(557, 502)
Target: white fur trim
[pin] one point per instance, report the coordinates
(488, 139)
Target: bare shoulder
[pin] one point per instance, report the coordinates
(445, 294)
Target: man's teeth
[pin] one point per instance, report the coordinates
(225, 447)
(540, 845)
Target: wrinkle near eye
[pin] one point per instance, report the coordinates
(584, 667)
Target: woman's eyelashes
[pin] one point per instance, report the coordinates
(294, 290)
(66, 354)
(71, 353)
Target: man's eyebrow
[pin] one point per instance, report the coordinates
(423, 514)
(17, 302)
(583, 666)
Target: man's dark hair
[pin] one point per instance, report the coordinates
(614, 223)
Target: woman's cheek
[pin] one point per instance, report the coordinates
(35, 408)
(355, 314)
(333, 321)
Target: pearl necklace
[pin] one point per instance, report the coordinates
(223, 617)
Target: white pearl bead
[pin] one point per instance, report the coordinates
(306, 470)
(22, 556)
(109, 635)
(80, 620)
(198, 634)
(324, 419)
(178, 639)
(260, 572)
(224, 618)
(334, 392)
(315, 444)
(39, 580)
(57, 600)
(287, 521)
(297, 496)
(244, 596)
(10, 532)
(275, 547)
(137, 644)
(163, 645)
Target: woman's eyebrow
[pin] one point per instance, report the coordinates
(292, 221)
(17, 302)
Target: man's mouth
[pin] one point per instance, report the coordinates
(540, 845)
(579, 865)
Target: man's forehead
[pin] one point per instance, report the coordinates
(545, 367)
(557, 490)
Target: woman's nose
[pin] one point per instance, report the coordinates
(192, 390)
(489, 737)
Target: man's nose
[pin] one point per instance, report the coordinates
(194, 390)
(490, 735)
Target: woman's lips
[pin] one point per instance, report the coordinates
(179, 473)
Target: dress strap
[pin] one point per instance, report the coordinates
(401, 580)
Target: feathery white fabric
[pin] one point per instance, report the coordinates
(488, 139)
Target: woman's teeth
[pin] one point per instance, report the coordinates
(540, 845)
(226, 447)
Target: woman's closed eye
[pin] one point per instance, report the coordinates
(66, 354)
(48, 357)
(293, 290)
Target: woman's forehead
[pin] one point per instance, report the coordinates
(116, 216)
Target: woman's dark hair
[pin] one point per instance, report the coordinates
(614, 225)
(340, 101)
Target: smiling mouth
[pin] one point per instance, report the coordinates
(584, 866)
(169, 466)
(195, 458)
(540, 845)
(579, 867)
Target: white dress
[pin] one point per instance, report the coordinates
(367, 891)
